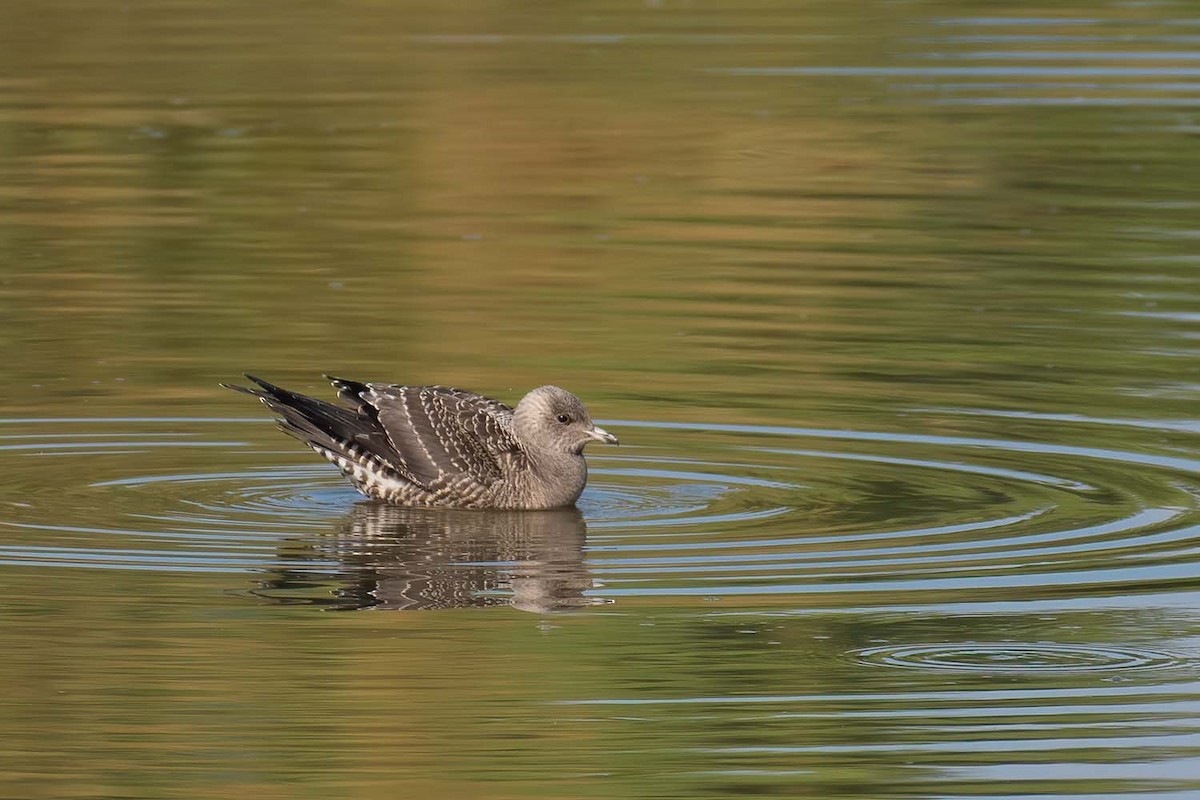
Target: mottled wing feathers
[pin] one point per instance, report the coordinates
(489, 422)
(432, 437)
(442, 433)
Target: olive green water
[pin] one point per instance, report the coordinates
(895, 308)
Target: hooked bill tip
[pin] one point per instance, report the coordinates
(601, 435)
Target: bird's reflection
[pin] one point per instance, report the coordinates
(389, 557)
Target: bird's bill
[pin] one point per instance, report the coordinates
(601, 435)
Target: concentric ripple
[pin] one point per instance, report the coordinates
(859, 518)
(1014, 657)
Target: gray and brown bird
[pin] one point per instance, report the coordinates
(440, 446)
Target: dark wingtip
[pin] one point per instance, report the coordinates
(347, 389)
(236, 388)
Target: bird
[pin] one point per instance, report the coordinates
(444, 447)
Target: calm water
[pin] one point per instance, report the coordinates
(894, 306)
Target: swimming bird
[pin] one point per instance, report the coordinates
(441, 446)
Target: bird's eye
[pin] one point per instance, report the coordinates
(564, 419)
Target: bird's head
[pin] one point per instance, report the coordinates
(553, 419)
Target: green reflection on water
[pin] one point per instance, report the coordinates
(808, 215)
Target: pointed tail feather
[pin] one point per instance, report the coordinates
(344, 436)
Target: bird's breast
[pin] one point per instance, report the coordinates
(557, 482)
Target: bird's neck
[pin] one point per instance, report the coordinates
(561, 476)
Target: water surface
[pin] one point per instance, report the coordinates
(893, 306)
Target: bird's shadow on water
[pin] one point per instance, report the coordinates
(388, 557)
